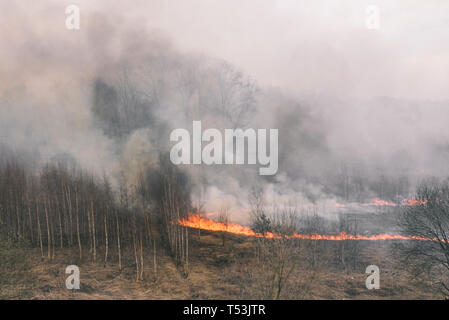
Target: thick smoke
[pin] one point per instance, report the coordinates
(356, 120)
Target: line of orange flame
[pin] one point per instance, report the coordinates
(198, 222)
(379, 202)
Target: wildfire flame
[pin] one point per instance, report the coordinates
(413, 202)
(198, 222)
(376, 202)
(380, 202)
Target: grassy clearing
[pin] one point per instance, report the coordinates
(16, 278)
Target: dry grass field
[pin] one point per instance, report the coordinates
(215, 272)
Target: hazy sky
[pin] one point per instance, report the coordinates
(321, 46)
(309, 47)
(320, 52)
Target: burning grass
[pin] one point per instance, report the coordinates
(198, 222)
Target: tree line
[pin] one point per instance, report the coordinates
(60, 207)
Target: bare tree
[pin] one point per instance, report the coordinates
(236, 95)
(223, 218)
(348, 249)
(278, 253)
(429, 219)
(276, 248)
(313, 223)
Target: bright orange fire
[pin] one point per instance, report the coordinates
(413, 202)
(198, 222)
(376, 202)
(380, 202)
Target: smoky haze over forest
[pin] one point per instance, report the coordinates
(361, 113)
